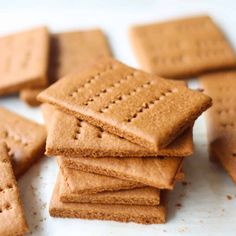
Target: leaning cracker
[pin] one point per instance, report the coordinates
(182, 48)
(12, 219)
(121, 213)
(71, 51)
(221, 118)
(24, 60)
(81, 182)
(84, 139)
(137, 196)
(151, 171)
(129, 103)
(25, 140)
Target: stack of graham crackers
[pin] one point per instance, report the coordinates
(120, 136)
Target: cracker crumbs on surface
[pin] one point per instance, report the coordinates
(178, 205)
(229, 197)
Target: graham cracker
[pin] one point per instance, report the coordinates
(25, 140)
(121, 213)
(221, 118)
(48, 113)
(137, 196)
(12, 219)
(84, 139)
(24, 60)
(151, 171)
(182, 48)
(70, 51)
(129, 103)
(81, 182)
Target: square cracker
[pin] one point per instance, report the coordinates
(137, 196)
(84, 139)
(221, 118)
(80, 182)
(70, 51)
(128, 102)
(121, 213)
(182, 48)
(151, 171)
(12, 219)
(24, 60)
(25, 140)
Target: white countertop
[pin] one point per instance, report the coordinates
(205, 208)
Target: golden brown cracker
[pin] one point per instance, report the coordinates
(121, 213)
(130, 103)
(25, 140)
(151, 171)
(12, 219)
(221, 118)
(182, 48)
(24, 60)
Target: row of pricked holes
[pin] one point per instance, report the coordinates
(150, 104)
(181, 44)
(122, 97)
(8, 186)
(227, 111)
(91, 80)
(15, 138)
(225, 125)
(78, 128)
(105, 90)
(182, 58)
(6, 207)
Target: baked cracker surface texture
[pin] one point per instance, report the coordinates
(137, 196)
(84, 139)
(12, 219)
(221, 118)
(69, 52)
(24, 60)
(120, 213)
(152, 171)
(129, 103)
(25, 140)
(182, 48)
(80, 182)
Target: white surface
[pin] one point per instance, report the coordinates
(205, 208)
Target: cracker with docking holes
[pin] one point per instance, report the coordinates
(221, 118)
(70, 51)
(137, 196)
(121, 213)
(84, 139)
(151, 171)
(12, 219)
(132, 104)
(24, 60)
(25, 140)
(182, 48)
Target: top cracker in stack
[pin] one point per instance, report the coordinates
(144, 109)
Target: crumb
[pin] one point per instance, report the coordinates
(178, 205)
(36, 227)
(184, 183)
(34, 213)
(164, 230)
(229, 197)
(223, 210)
(183, 229)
